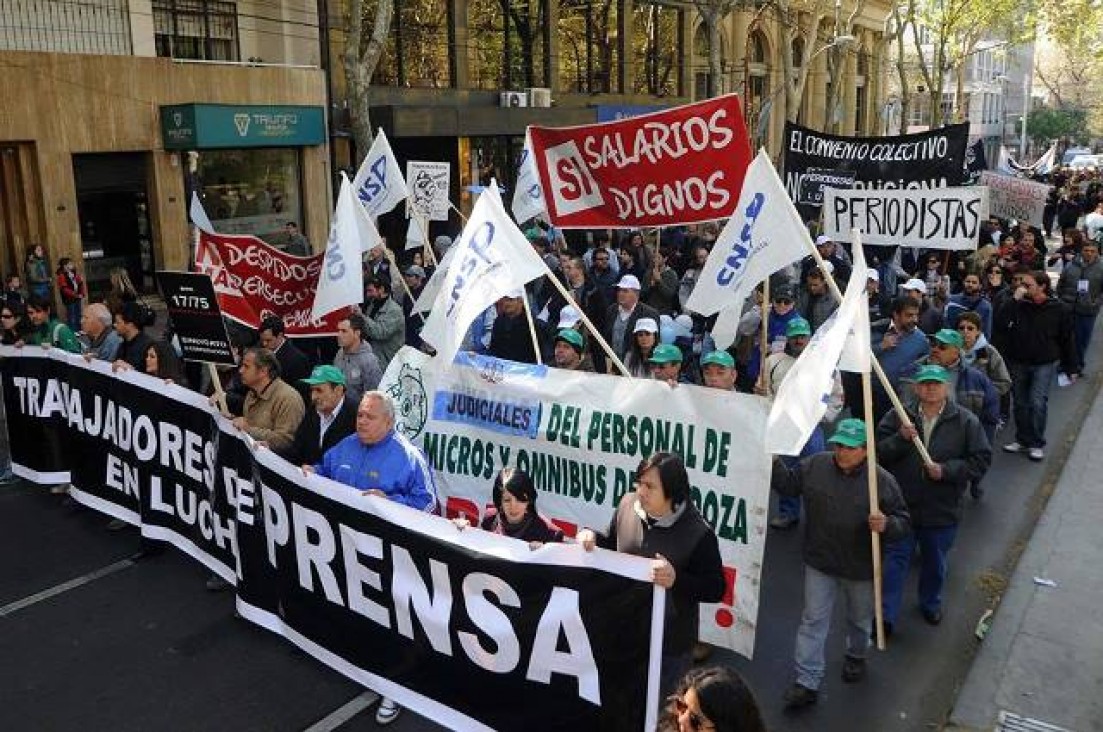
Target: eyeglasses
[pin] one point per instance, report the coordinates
(7, 316)
(783, 301)
(696, 721)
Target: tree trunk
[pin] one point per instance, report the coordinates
(360, 60)
(716, 66)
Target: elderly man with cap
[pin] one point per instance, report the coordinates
(331, 420)
(797, 334)
(570, 351)
(968, 386)
(666, 365)
(621, 318)
(960, 453)
(837, 551)
(878, 301)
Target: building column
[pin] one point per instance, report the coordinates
(551, 44)
(461, 38)
(626, 74)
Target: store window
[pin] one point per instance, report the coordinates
(506, 44)
(196, 29)
(253, 191)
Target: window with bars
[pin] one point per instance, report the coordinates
(196, 29)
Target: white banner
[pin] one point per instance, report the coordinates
(763, 235)
(1015, 198)
(581, 437)
(528, 196)
(341, 279)
(429, 186)
(939, 218)
(378, 184)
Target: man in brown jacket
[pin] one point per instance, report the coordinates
(273, 409)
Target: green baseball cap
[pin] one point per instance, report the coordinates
(572, 336)
(931, 372)
(718, 358)
(798, 327)
(850, 432)
(666, 353)
(325, 374)
(950, 337)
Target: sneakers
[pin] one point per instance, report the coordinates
(1036, 454)
(784, 522)
(798, 697)
(854, 669)
(387, 712)
(1014, 447)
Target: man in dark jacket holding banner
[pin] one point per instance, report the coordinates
(960, 453)
(837, 550)
(332, 419)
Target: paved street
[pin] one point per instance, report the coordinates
(144, 646)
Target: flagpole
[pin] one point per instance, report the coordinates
(532, 329)
(881, 375)
(874, 504)
(593, 331)
(764, 339)
(405, 287)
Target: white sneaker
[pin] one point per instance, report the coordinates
(1036, 454)
(1013, 447)
(387, 712)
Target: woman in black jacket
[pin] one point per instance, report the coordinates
(514, 513)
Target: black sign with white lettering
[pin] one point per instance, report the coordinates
(933, 159)
(471, 629)
(196, 318)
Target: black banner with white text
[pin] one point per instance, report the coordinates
(456, 625)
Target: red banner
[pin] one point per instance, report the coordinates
(678, 166)
(253, 280)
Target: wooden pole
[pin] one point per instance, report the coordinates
(874, 503)
(532, 329)
(881, 375)
(219, 394)
(764, 339)
(402, 280)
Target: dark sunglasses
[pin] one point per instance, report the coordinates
(7, 316)
(696, 722)
(783, 301)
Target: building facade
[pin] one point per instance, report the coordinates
(116, 110)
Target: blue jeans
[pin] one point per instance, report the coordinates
(934, 544)
(789, 506)
(72, 315)
(815, 622)
(1083, 327)
(1030, 387)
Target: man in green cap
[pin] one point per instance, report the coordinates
(798, 332)
(570, 348)
(666, 364)
(718, 370)
(332, 418)
(968, 386)
(960, 452)
(837, 551)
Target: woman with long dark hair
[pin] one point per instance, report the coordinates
(514, 513)
(162, 362)
(713, 698)
(644, 339)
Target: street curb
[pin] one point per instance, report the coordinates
(1035, 508)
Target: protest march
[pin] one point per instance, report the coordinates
(541, 457)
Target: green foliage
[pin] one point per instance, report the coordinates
(1046, 124)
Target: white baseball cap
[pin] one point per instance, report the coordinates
(915, 284)
(646, 325)
(872, 274)
(568, 317)
(629, 282)
(824, 239)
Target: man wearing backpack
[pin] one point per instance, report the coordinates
(48, 330)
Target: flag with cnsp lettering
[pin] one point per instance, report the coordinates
(341, 281)
(492, 259)
(528, 196)
(763, 235)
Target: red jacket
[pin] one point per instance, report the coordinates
(72, 290)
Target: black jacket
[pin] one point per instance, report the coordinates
(958, 444)
(305, 450)
(836, 533)
(294, 367)
(691, 548)
(1037, 334)
(134, 351)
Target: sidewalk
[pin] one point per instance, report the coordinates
(1043, 658)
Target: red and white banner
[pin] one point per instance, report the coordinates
(678, 166)
(253, 280)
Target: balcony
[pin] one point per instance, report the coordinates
(66, 26)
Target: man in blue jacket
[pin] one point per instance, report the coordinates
(379, 461)
(897, 348)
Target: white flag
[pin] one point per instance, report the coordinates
(367, 233)
(856, 353)
(341, 281)
(379, 184)
(199, 215)
(763, 235)
(429, 293)
(528, 196)
(802, 399)
(415, 237)
(492, 259)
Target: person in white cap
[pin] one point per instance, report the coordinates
(833, 254)
(621, 319)
(914, 288)
(645, 336)
(880, 303)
